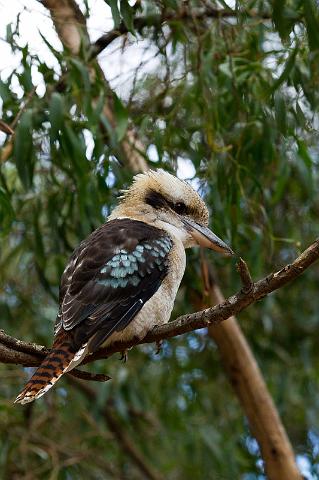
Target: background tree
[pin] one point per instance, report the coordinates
(227, 93)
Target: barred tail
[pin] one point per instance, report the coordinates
(60, 360)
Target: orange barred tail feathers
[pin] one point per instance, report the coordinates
(60, 360)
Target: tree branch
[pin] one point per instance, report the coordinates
(29, 354)
(157, 20)
(245, 276)
(10, 354)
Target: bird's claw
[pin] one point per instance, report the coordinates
(159, 344)
(124, 356)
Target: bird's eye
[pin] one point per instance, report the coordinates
(180, 208)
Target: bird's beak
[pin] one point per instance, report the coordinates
(205, 237)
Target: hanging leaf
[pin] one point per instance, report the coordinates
(9, 34)
(83, 70)
(312, 23)
(115, 12)
(304, 154)
(127, 14)
(5, 92)
(56, 115)
(6, 211)
(281, 113)
(287, 69)
(23, 149)
(55, 52)
(121, 116)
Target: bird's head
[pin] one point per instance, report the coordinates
(161, 199)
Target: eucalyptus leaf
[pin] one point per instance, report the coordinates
(23, 149)
(121, 116)
(115, 12)
(127, 14)
(56, 114)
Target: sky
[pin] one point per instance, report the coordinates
(34, 18)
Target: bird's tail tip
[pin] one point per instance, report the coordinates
(59, 361)
(42, 380)
(27, 395)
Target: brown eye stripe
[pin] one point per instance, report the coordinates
(157, 200)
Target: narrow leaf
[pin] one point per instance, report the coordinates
(55, 52)
(6, 210)
(127, 14)
(287, 70)
(23, 149)
(304, 154)
(312, 23)
(56, 115)
(121, 118)
(81, 68)
(115, 12)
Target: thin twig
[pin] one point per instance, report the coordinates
(6, 150)
(93, 377)
(4, 127)
(157, 20)
(245, 276)
(22, 346)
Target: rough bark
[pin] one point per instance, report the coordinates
(69, 22)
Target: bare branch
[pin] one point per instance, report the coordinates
(158, 20)
(30, 354)
(93, 377)
(4, 127)
(23, 347)
(245, 276)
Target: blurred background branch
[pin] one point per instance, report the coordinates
(119, 433)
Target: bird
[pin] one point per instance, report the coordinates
(122, 280)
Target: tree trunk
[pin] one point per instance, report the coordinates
(248, 383)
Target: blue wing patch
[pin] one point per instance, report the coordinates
(128, 268)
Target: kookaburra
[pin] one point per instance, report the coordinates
(122, 280)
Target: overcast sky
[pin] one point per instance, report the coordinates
(34, 18)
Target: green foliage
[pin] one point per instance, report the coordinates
(237, 100)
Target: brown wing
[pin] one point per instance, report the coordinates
(109, 278)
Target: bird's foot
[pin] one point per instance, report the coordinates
(159, 344)
(124, 356)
